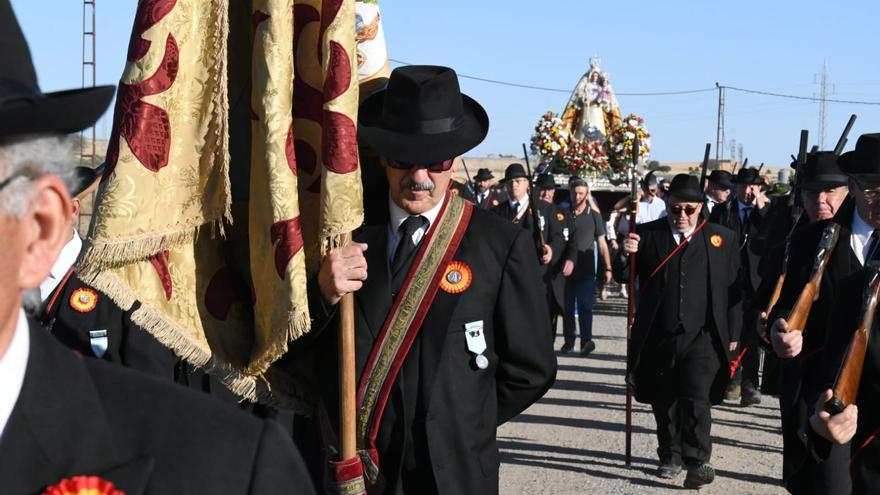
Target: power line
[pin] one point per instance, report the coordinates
(659, 93)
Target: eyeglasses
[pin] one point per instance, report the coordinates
(677, 209)
(871, 194)
(432, 167)
(9, 180)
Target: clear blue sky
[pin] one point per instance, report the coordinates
(652, 46)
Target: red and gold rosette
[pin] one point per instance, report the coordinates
(83, 485)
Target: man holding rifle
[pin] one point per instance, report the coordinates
(680, 346)
(855, 424)
(802, 348)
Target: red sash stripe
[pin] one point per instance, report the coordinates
(680, 245)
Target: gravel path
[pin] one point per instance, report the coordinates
(572, 441)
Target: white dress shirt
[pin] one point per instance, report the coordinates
(12, 368)
(860, 237)
(523, 206)
(710, 203)
(648, 212)
(398, 215)
(65, 260)
(679, 236)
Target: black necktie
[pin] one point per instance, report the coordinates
(514, 211)
(405, 251)
(871, 253)
(747, 212)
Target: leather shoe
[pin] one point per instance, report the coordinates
(750, 397)
(732, 393)
(668, 471)
(699, 475)
(566, 348)
(587, 348)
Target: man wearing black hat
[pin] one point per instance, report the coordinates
(563, 265)
(858, 218)
(680, 347)
(718, 188)
(451, 331)
(746, 215)
(63, 415)
(487, 197)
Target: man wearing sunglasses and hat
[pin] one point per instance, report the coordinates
(452, 332)
(680, 347)
(823, 193)
(718, 186)
(73, 424)
(747, 216)
(858, 219)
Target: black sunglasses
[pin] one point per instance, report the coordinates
(432, 167)
(677, 209)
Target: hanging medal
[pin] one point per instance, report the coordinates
(476, 342)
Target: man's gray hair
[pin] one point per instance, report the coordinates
(31, 157)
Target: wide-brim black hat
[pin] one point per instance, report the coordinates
(515, 171)
(721, 178)
(545, 181)
(863, 162)
(821, 171)
(685, 187)
(484, 174)
(421, 117)
(24, 109)
(83, 178)
(749, 177)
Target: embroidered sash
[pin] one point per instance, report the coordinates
(403, 324)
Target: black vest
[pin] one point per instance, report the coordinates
(686, 294)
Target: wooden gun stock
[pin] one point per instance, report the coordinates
(797, 318)
(849, 376)
(774, 298)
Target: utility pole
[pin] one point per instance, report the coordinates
(89, 75)
(719, 137)
(823, 103)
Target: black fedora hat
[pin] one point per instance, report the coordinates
(863, 162)
(545, 181)
(484, 174)
(24, 109)
(421, 117)
(515, 171)
(748, 176)
(83, 178)
(821, 171)
(685, 187)
(721, 178)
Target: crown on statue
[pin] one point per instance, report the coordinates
(595, 63)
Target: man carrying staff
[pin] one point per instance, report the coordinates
(679, 359)
(746, 215)
(858, 219)
(452, 332)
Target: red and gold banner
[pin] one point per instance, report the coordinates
(219, 265)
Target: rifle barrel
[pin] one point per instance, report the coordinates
(843, 137)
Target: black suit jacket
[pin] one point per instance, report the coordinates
(552, 231)
(655, 244)
(865, 467)
(126, 343)
(754, 236)
(463, 403)
(77, 416)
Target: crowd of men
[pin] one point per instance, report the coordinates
(453, 336)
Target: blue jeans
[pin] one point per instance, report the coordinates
(580, 291)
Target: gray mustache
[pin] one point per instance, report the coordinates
(408, 183)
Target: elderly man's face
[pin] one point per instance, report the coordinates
(867, 198)
(717, 192)
(747, 193)
(823, 204)
(547, 195)
(418, 189)
(682, 215)
(518, 188)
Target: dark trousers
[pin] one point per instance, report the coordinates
(580, 291)
(747, 372)
(683, 416)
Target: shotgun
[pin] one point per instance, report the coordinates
(843, 137)
(799, 314)
(533, 206)
(849, 375)
(631, 303)
(796, 212)
(705, 165)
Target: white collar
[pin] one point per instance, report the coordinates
(675, 233)
(860, 227)
(68, 256)
(523, 203)
(710, 200)
(13, 365)
(398, 214)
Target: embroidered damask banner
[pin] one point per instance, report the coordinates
(232, 168)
